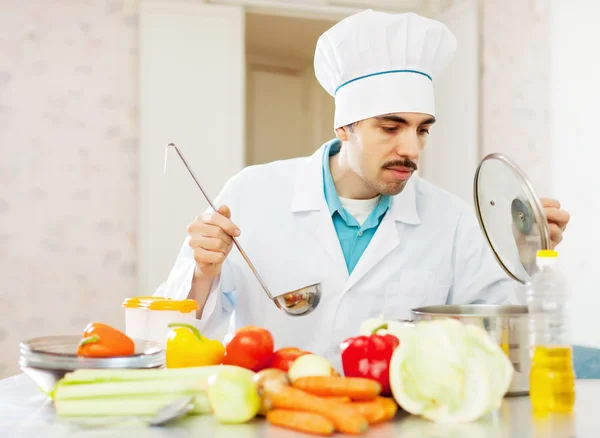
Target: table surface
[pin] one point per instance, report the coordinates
(26, 412)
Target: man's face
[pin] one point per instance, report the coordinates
(384, 151)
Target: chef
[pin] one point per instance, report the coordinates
(353, 216)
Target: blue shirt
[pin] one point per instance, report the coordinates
(353, 237)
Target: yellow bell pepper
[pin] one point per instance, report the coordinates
(186, 347)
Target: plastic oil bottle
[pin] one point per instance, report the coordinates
(552, 376)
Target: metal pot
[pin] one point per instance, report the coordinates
(507, 324)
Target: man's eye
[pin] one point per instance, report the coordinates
(424, 131)
(389, 129)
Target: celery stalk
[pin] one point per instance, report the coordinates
(201, 404)
(142, 405)
(105, 375)
(132, 388)
(128, 392)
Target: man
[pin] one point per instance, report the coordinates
(352, 217)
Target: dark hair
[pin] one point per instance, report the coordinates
(351, 126)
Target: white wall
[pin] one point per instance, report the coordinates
(451, 157)
(515, 89)
(575, 69)
(192, 94)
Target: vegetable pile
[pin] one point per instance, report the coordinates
(442, 370)
(323, 404)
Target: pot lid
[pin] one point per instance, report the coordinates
(510, 215)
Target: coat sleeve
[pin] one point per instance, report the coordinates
(478, 277)
(221, 299)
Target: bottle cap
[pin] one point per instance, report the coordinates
(546, 257)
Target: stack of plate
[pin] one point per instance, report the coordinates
(47, 359)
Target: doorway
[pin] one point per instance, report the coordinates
(288, 113)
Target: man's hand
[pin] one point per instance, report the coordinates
(557, 220)
(211, 239)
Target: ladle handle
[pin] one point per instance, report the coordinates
(237, 244)
(251, 266)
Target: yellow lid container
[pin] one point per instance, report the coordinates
(160, 303)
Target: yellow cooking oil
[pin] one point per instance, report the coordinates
(552, 376)
(552, 379)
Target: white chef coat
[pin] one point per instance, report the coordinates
(427, 250)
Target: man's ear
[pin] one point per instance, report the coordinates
(342, 134)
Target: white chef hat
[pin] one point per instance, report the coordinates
(377, 63)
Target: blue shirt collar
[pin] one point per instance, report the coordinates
(333, 200)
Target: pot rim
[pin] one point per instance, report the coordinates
(480, 310)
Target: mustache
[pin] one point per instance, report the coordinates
(402, 163)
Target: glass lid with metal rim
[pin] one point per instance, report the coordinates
(510, 215)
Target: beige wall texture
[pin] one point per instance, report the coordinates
(516, 94)
(68, 146)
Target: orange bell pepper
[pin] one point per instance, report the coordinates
(101, 340)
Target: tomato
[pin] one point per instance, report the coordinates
(285, 357)
(250, 347)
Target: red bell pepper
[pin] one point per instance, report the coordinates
(369, 357)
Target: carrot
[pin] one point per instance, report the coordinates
(389, 406)
(339, 399)
(307, 422)
(373, 410)
(342, 415)
(357, 388)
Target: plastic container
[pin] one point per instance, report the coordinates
(148, 318)
(552, 376)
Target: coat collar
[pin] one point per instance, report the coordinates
(309, 194)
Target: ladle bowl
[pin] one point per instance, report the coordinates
(298, 302)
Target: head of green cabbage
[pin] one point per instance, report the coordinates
(449, 372)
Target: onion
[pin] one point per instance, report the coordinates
(268, 381)
(310, 365)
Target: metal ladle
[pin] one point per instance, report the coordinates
(299, 302)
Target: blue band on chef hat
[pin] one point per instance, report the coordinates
(382, 73)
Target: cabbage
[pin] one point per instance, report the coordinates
(449, 372)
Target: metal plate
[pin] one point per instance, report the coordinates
(510, 215)
(60, 353)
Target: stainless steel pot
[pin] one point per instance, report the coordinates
(507, 324)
